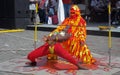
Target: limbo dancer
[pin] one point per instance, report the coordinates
(67, 41)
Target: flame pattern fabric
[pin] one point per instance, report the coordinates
(78, 35)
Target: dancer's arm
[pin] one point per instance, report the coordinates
(59, 36)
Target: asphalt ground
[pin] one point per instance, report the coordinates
(18, 44)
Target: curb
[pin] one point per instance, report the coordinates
(90, 30)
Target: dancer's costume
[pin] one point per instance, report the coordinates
(73, 48)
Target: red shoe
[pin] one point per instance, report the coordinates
(31, 63)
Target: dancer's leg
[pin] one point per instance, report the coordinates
(60, 51)
(41, 51)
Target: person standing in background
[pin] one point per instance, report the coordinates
(60, 12)
(117, 13)
(51, 7)
(98, 8)
(67, 4)
(51, 10)
(42, 10)
(32, 8)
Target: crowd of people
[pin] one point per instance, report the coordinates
(52, 11)
(99, 9)
(55, 11)
(46, 8)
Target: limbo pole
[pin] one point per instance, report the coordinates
(109, 36)
(35, 31)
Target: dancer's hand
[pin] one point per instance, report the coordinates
(49, 40)
(45, 38)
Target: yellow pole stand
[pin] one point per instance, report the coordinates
(35, 36)
(109, 38)
(109, 12)
(35, 31)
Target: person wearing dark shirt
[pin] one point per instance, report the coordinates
(67, 4)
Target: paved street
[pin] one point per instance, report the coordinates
(18, 44)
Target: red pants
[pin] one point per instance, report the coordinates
(58, 50)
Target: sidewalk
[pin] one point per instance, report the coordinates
(16, 45)
(18, 67)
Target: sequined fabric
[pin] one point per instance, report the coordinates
(78, 35)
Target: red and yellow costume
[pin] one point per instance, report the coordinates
(74, 46)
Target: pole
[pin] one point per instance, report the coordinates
(35, 31)
(109, 38)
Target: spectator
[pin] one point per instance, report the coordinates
(116, 14)
(41, 11)
(60, 13)
(32, 8)
(51, 7)
(51, 10)
(67, 4)
(99, 5)
(118, 4)
(99, 9)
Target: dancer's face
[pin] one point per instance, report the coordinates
(74, 11)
